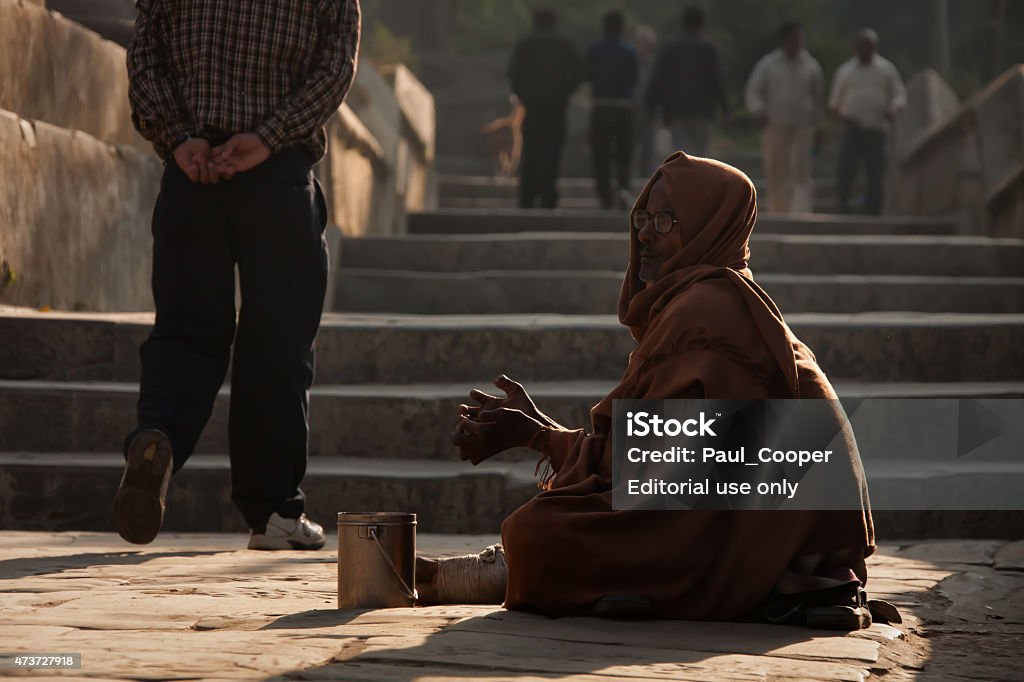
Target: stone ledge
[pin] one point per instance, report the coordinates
(75, 224)
(57, 71)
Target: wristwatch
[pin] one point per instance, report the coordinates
(180, 140)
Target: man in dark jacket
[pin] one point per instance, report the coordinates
(544, 71)
(612, 69)
(687, 86)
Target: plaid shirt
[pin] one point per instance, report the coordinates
(210, 68)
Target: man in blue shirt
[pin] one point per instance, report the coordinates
(612, 69)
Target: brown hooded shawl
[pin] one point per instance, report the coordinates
(704, 330)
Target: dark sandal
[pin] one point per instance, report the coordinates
(620, 607)
(844, 608)
(884, 612)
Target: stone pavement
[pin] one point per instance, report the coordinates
(201, 607)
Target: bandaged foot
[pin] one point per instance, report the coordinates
(470, 579)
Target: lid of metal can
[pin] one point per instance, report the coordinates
(376, 519)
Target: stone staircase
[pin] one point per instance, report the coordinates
(900, 307)
(892, 308)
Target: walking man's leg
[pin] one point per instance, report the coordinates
(601, 133)
(553, 140)
(529, 166)
(692, 135)
(644, 131)
(624, 155)
(874, 164)
(801, 178)
(775, 157)
(849, 161)
(681, 139)
(278, 214)
(185, 358)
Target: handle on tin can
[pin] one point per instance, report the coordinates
(409, 592)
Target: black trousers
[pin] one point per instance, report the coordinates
(611, 141)
(544, 131)
(269, 222)
(867, 146)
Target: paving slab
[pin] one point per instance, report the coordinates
(1010, 557)
(881, 254)
(199, 606)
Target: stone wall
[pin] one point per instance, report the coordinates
(354, 175)
(52, 69)
(970, 164)
(112, 19)
(399, 112)
(930, 102)
(74, 219)
(78, 184)
(416, 152)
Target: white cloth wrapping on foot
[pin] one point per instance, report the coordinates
(469, 579)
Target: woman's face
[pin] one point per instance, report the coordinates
(657, 248)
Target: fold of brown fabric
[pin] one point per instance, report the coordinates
(704, 329)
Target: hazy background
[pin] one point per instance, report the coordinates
(459, 48)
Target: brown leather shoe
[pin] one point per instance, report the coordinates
(141, 498)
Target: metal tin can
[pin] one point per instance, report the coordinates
(376, 560)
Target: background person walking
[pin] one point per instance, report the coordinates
(612, 70)
(866, 94)
(544, 71)
(785, 93)
(646, 42)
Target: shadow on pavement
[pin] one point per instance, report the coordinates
(317, 618)
(514, 644)
(45, 565)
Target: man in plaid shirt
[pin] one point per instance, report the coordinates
(234, 97)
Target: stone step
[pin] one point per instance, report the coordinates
(823, 165)
(415, 421)
(821, 205)
(61, 492)
(586, 292)
(361, 348)
(483, 187)
(76, 491)
(492, 221)
(964, 256)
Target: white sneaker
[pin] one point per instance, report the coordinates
(282, 533)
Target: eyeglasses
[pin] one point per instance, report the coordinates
(663, 222)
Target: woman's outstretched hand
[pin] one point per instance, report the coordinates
(488, 432)
(516, 398)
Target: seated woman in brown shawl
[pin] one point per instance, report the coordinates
(704, 329)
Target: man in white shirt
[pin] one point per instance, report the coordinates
(786, 92)
(866, 93)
